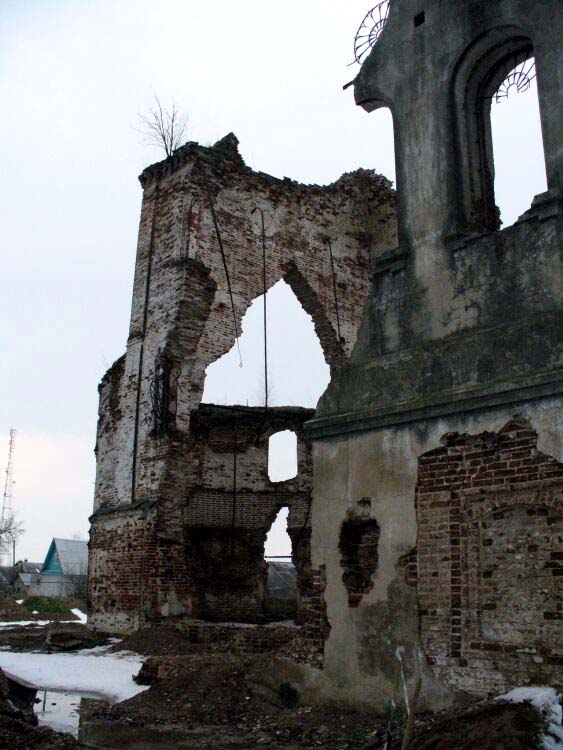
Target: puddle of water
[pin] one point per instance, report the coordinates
(60, 710)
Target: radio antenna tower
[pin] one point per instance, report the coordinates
(6, 543)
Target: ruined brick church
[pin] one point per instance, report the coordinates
(425, 516)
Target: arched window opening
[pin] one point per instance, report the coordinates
(282, 456)
(297, 371)
(519, 165)
(501, 158)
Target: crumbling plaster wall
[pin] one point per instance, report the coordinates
(461, 333)
(181, 321)
(360, 663)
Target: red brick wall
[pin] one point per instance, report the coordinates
(488, 559)
(308, 645)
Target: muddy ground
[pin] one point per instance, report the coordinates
(220, 701)
(220, 707)
(56, 636)
(204, 694)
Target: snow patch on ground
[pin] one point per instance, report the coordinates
(547, 702)
(19, 601)
(81, 616)
(107, 676)
(102, 649)
(18, 623)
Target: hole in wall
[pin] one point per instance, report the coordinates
(518, 148)
(278, 541)
(297, 371)
(358, 547)
(419, 19)
(281, 593)
(282, 456)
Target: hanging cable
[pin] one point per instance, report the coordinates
(335, 296)
(234, 506)
(222, 249)
(265, 290)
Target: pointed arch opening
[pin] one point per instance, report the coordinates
(297, 369)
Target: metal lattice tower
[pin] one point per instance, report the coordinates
(6, 545)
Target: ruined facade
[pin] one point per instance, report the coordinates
(183, 500)
(443, 427)
(426, 514)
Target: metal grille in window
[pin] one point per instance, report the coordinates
(163, 395)
(370, 30)
(519, 72)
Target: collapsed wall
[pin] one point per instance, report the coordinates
(183, 501)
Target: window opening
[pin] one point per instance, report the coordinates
(282, 456)
(280, 602)
(297, 371)
(419, 19)
(519, 165)
(278, 541)
(359, 556)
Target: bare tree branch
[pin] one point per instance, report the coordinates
(78, 583)
(10, 529)
(164, 127)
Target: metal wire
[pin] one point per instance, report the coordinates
(222, 249)
(370, 30)
(234, 505)
(142, 346)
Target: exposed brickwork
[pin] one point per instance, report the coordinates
(155, 445)
(488, 559)
(358, 547)
(308, 646)
(122, 554)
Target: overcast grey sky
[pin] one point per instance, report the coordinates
(73, 76)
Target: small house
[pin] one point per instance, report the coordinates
(23, 578)
(65, 568)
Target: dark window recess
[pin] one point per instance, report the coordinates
(358, 547)
(419, 19)
(163, 395)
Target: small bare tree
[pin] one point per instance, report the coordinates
(10, 530)
(164, 127)
(78, 583)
